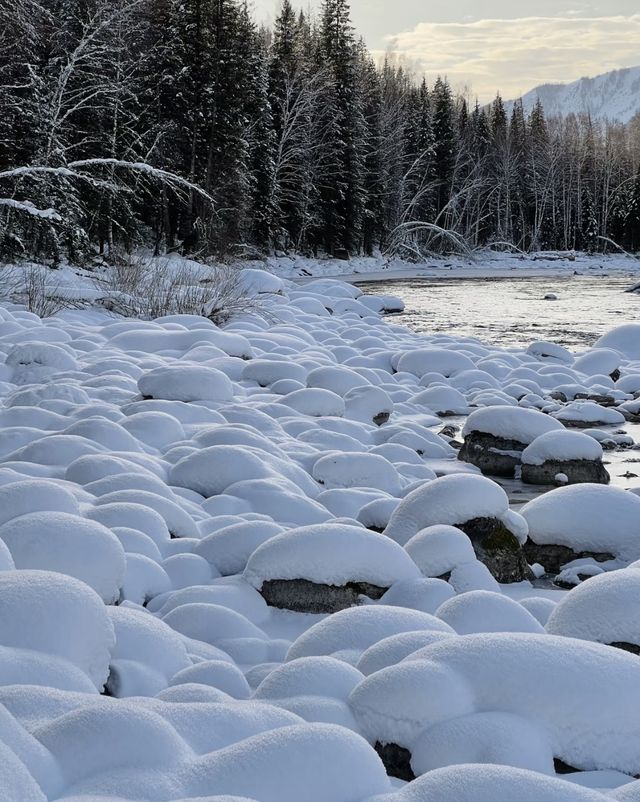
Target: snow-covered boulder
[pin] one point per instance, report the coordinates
(560, 685)
(228, 549)
(437, 550)
(55, 617)
(348, 633)
(395, 648)
(210, 471)
(477, 506)
(605, 609)
(425, 594)
(582, 521)
(624, 339)
(484, 611)
(433, 360)
(368, 404)
(186, 383)
(443, 401)
(574, 454)
(315, 402)
(599, 361)
(495, 437)
(267, 372)
(478, 782)
(550, 352)
(327, 567)
(68, 544)
(585, 414)
(314, 688)
(357, 470)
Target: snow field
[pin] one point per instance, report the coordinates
(158, 478)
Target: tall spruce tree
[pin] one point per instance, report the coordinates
(343, 199)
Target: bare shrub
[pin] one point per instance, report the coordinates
(36, 288)
(152, 288)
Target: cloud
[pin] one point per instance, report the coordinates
(515, 55)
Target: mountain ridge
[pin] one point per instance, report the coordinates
(613, 95)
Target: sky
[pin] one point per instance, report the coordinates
(488, 46)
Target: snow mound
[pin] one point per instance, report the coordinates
(483, 611)
(395, 648)
(352, 631)
(443, 401)
(437, 550)
(588, 413)
(186, 383)
(213, 470)
(587, 517)
(357, 470)
(56, 616)
(418, 594)
(605, 609)
(623, 339)
(562, 685)
(487, 783)
(68, 544)
(550, 352)
(35, 495)
(598, 362)
(315, 402)
(216, 674)
(433, 360)
(449, 500)
(314, 762)
(330, 554)
(228, 549)
(493, 738)
(561, 446)
(510, 423)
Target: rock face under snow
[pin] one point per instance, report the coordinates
(495, 437)
(477, 506)
(326, 568)
(581, 521)
(573, 454)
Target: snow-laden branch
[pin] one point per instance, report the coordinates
(79, 170)
(142, 167)
(29, 208)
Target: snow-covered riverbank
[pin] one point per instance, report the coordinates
(484, 264)
(248, 562)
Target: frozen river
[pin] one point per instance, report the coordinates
(512, 312)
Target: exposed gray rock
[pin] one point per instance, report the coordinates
(577, 471)
(553, 557)
(632, 648)
(397, 761)
(494, 456)
(498, 548)
(381, 418)
(302, 596)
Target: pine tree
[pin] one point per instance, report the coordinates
(343, 201)
(589, 229)
(445, 143)
(632, 219)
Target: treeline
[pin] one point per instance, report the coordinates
(181, 125)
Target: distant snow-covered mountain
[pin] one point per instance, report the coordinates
(614, 96)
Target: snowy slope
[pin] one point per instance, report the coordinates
(614, 96)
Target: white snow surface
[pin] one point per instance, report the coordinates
(154, 474)
(510, 423)
(562, 446)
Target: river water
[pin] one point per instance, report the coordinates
(512, 313)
